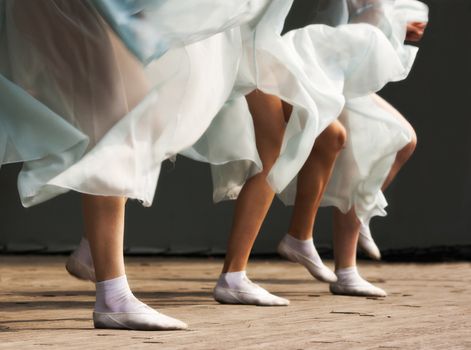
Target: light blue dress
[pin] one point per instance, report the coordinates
(317, 69)
(150, 28)
(375, 134)
(95, 95)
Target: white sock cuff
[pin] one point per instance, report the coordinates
(234, 275)
(112, 284)
(290, 238)
(346, 271)
(231, 279)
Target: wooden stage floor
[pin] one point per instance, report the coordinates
(428, 307)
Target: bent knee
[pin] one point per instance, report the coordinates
(333, 138)
(412, 145)
(408, 150)
(413, 142)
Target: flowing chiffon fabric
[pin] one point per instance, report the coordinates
(152, 27)
(84, 113)
(316, 69)
(375, 135)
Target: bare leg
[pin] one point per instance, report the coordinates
(256, 196)
(404, 154)
(116, 307)
(298, 245)
(347, 227)
(401, 159)
(349, 281)
(104, 228)
(366, 241)
(313, 179)
(254, 201)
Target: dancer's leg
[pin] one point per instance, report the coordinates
(346, 231)
(256, 196)
(405, 153)
(347, 227)
(103, 220)
(116, 306)
(104, 227)
(312, 180)
(252, 207)
(366, 241)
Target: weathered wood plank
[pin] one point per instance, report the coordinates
(428, 307)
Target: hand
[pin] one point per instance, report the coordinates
(415, 31)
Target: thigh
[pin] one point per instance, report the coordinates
(269, 123)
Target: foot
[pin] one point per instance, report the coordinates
(80, 262)
(142, 319)
(236, 288)
(367, 244)
(351, 283)
(116, 307)
(305, 253)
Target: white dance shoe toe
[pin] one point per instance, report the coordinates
(367, 243)
(146, 319)
(79, 269)
(359, 288)
(318, 270)
(247, 293)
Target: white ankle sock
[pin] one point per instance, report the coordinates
(231, 279)
(237, 288)
(348, 275)
(305, 247)
(83, 253)
(114, 295)
(351, 283)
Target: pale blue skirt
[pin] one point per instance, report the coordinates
(95, 95)
(319, 70)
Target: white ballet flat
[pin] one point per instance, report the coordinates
(367, 243)
(248, 293)
(319, 272)
(80, 270)
(147, 320)
(364, 288)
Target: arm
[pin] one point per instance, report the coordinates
(415, 31)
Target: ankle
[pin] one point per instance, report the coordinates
(300, 235)
(348, 274)
(231, 279)
(114, 295)
(346, 269)
(303, 245)
(234, 265)
(290, 238)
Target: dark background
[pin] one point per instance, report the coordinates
(430, 201)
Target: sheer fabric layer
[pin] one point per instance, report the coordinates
(83, 113)
(315, 69)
